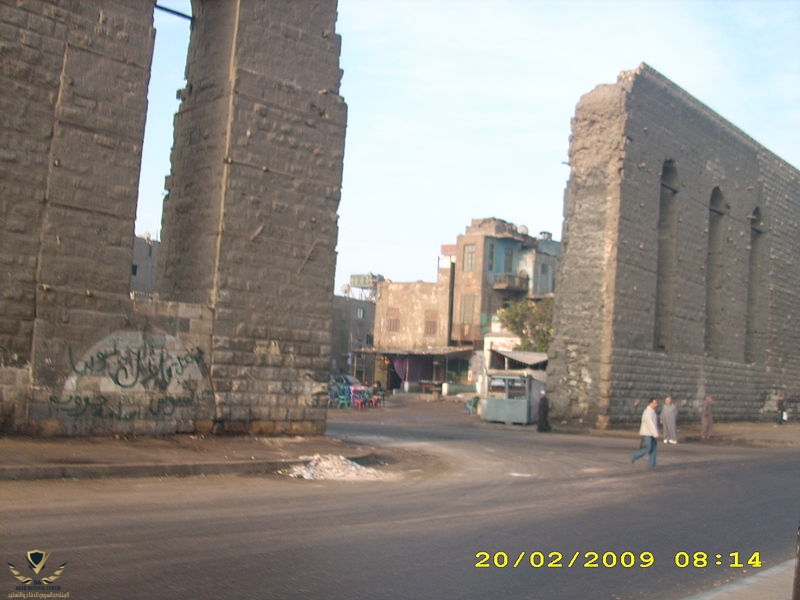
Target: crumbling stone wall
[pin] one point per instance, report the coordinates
(149, 375)
(241, 338)
(251, 228)
(680, 271)
(74, 89)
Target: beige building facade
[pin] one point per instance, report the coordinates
(436, 327)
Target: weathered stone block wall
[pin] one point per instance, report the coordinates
(243, 341)
(147, 374)
(15, 383)
(74, 86)
(728, 318)
(262, 105)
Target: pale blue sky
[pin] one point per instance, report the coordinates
(460, 109)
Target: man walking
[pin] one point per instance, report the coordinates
(649, 432)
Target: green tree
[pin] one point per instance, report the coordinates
(532, 321)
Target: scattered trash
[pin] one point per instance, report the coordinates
(330, 466)
(272, 440)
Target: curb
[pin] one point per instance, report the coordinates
(31, 473)
(244, 467)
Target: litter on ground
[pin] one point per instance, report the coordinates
(330, 466)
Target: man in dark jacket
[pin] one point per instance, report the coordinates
(544, 410)
(781, 410)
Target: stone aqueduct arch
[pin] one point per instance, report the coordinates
(680, 265)
(239, 340)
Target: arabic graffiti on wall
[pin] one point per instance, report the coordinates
(103, 407)
(131, 375)
(150, 363)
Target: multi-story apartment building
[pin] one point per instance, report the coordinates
(497, 263)
(427, 331)
(353, 323)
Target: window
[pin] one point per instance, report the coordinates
(393, 319)
(468, 264)
(544, 281)
(134, 269)
(431, 322)
(490, 258)
(468, 309)
(508, 261)
(360, 312)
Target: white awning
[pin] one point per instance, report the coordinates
(526, 358)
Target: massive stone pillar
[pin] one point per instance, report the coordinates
(240, 340)
(250, 222)
(74, 100)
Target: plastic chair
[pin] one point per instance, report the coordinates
(357, 399)
(376, 399)
(343, 394)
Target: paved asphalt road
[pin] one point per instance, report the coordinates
(479, 488)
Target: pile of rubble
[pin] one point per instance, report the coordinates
(329, 466)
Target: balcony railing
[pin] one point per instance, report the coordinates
(510, 281)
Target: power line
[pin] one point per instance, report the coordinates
(175, 12)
